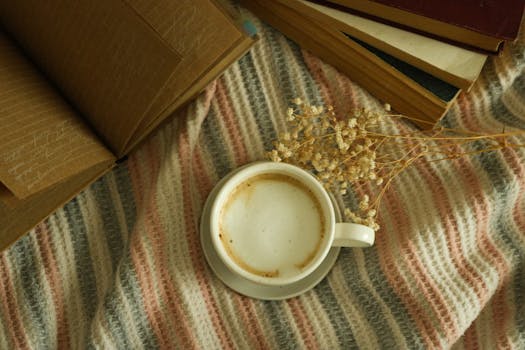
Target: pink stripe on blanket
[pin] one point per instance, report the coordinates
(303, 324)
(10, 308)
(248, 313)
(156, 279)
(391, 266)
(487, 247)
(231, 122)
(54, 278)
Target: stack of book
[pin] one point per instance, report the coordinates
(415, 55)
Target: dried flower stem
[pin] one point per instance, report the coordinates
(356, 154)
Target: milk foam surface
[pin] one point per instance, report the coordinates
(272, 225)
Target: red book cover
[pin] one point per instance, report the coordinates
(496, 18)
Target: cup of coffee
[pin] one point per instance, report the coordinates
(274, 224)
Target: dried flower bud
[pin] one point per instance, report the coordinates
(324, 175)
(363, 205)
(281, 147)
(274, 156)
(352, 122)
(317, 165)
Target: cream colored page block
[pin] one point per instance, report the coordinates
(42, 140)
(453, 59)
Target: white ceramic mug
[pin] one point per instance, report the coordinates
(274, 223)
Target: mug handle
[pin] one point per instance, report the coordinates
(353, 235)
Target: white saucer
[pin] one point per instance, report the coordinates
(247, 287)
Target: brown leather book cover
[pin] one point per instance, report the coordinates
(479, 24)
(84, 81)
(500, 19)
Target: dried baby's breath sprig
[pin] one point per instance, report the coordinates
(357, 154)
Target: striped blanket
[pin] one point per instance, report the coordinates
(121, 265)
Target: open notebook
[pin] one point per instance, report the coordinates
(85, 81)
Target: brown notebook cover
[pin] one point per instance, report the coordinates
(85, 81)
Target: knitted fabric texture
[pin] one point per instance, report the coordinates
(121, 265)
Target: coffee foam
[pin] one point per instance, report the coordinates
(272, 225)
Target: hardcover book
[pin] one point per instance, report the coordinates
(455, 65)
(478, 24)
(408, 89)
(85, 81)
